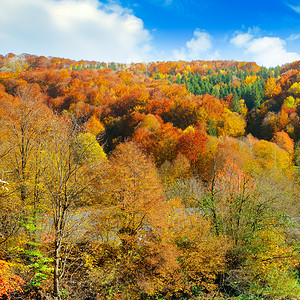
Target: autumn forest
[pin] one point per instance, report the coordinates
(153, 181)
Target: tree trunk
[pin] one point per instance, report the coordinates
(57, 252)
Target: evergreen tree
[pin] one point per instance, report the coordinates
(211, 129)
(235, 102)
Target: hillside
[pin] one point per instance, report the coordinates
(163, 180)
(265, 98)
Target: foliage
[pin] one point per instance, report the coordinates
(269, 266)
(201, 253)
(283, 140)
(87, 149)
(270, 156)
(233, 124)
(192, 143)
(295, 89)
(9, 282)
(272, 88)
(193, 194)
(138, 256)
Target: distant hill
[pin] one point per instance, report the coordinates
(110, 93)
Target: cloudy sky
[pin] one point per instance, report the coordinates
(264, 31)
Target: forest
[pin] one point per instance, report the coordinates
(150, 181)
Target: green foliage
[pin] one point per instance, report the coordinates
(289, 102)
(211, 129)
(221, 85)
(269, 266)
(38, 265)
(64, 294)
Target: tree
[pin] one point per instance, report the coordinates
(137, 256)
(272, 88)
(228, 202)
(295, 89)
(72, 162)
(179, 168)
(94, 126)
(233, 124)
(283, 140)
(86, 149)
(161, 143)
(192, 143)
(250, 80)
(150, 122)
(270, 156)
(201, 252)
(235, 104)
(269, 265)
(9, 282)
(24, 127)
(289, 102)
(245, 214)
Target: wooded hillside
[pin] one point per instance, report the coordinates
(167, 180)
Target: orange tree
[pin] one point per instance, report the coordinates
(134, 254)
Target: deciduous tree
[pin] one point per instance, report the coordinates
(72, 163)
(138, 256)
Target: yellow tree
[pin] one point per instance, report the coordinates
(271, 156)
(272, 88)
(269, 265)
(295, 89)
(201, 253)
(23, 128)
(233, 124)
(23, 125)
(72, 162)
(250, 79)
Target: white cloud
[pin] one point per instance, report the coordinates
(295, 8)
(180, 54)
(78, 29)
(199, 47)
(201, 42)
(293, 37)
(266, 51)
(162, 2)
(241, 39)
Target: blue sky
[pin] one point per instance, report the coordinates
(264, 31)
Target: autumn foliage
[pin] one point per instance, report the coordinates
(166, 180)
(9, 282)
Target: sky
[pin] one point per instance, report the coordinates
(264, 31)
